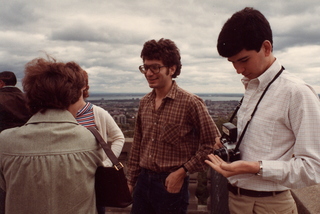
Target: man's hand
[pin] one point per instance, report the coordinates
(234, 168)
(175, 180)
(218, 144)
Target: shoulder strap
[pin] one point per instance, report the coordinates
(236, 110)
(118, 165)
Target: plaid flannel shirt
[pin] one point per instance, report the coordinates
(180, 131)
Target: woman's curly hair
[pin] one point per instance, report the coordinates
(49, 84)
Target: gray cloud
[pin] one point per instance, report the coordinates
(106, 37)
(16, 13)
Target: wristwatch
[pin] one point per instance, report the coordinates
(260, 170)
(186, 170)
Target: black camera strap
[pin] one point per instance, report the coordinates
(236, 110)
(255, 109)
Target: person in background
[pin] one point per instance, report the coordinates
(48, 165)
(173, 135)
(280, 149)
(90, 115)
(13, 108)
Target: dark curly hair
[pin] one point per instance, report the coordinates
(246, 29)
(8, 77)
(164, 50)
(49, 84)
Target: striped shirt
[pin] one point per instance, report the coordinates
(180, 131)
(85, 116)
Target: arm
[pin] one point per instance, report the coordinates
(133, 161)
(208, 135)
(115, 134)
(304, 167)
(109, 129)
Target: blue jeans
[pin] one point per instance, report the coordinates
(151, 197)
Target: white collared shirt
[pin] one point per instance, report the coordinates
(286, 124)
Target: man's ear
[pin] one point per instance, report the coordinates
(2, 84)
(172, 70)
(267, 46)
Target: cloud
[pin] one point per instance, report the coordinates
(16, 13)
(106, 38)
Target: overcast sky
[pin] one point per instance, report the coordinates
(106, 37)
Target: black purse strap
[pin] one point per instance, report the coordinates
(255, 109)
(116, 164)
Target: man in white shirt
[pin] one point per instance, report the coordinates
(280, 149)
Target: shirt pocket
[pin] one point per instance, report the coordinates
(170, 133)
(260, 132)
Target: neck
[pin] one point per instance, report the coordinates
(270, 62)
(74, 108)
(161, 93)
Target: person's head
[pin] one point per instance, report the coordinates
(49, 84)
(246, 29)
(246, 40)
(165, 51)
(7, 78)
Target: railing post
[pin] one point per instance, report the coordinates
(219, 194)
(193, 200)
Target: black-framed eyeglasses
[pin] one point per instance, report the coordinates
(154, 68)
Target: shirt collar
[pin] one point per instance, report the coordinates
(173, 91)
(86, 108)
(264, 79)
(53, 116)
(171, 94)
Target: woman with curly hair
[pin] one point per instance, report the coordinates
(48, 164)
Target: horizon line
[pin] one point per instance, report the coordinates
(148, 92)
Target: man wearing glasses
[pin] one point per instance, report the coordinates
(173, 134)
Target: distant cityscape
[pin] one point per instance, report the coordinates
(124, 96)
(123, 107)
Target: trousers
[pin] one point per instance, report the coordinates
(282, 203)
(151, 197)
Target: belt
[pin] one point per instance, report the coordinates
(150, 172)
(251, 193)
